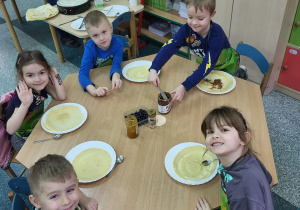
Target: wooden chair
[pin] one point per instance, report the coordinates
(18, 185)
(260, 60)
(131, 46)
(9, 170)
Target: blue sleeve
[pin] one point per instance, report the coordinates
(87, 63)
(170, 48)
(216, 43)
(117, 52)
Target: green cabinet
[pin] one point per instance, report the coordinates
(295, 34)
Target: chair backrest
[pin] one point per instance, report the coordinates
(19, 186)
(130, 43)
(260, 60)
(255, 55)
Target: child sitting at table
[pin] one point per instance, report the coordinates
(37, 79)
(103, 49)
(206, 40)
(245, 182)
(54, 185)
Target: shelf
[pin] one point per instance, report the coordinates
(172, 15)
(161, 39)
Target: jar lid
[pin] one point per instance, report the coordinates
(151, 113)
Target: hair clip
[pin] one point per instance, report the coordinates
(18, 61)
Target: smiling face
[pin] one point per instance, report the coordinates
(101, 34)
(35, 76)
(57, 195)
(225, 142)
(199, 20)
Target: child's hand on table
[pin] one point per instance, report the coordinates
(100, 91)
(24, 93)
(153, 77)
(116, 81)
(179, 93)
(201, 204)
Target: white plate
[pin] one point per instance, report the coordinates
(111, 11)
(92, 144)
(225, 74)
(82, 109)
(134, 64)
(169, 164)
(76, 24)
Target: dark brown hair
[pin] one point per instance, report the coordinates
(209, 5)
(231, 117)
(49, 168)
(29, 57)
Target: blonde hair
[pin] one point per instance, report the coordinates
(231, 117)
(95, 18)
(49, 168)
(209, 5)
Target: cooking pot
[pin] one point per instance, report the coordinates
(73, 7)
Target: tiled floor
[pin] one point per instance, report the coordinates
(282, 112)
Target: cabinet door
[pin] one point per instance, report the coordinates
(295, 34)
(223, 15)
(257, 23)
(290, 71)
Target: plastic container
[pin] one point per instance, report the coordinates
(141, 119)
(164, 105)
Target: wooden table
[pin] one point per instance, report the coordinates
(141, 181)
(61, 18)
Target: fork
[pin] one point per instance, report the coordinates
(82, 23)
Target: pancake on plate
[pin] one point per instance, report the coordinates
(138, 73)
(216, 82)
(63, 118)
(91, 164)
(187, 163)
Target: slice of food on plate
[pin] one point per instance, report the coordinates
(217, 82)
(91, 164)
(187, 163)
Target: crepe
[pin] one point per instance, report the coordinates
(63, 118)
(216, 82)
(92, 164)
(41, 13)
(138, 73)
(187, 163)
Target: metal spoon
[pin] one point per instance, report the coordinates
(119, 160)
(57, 136)
(207, 162)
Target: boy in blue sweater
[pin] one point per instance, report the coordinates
(205, 39)
(103, 49)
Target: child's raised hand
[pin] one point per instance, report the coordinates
(201, 204)
(89, 203)
(179, 93)
(153, 77)
(116, 81)
(24, 93)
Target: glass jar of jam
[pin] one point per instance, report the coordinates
(164, 105)
(132, 129)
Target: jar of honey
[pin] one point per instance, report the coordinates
(164, 105)
(132, 128)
